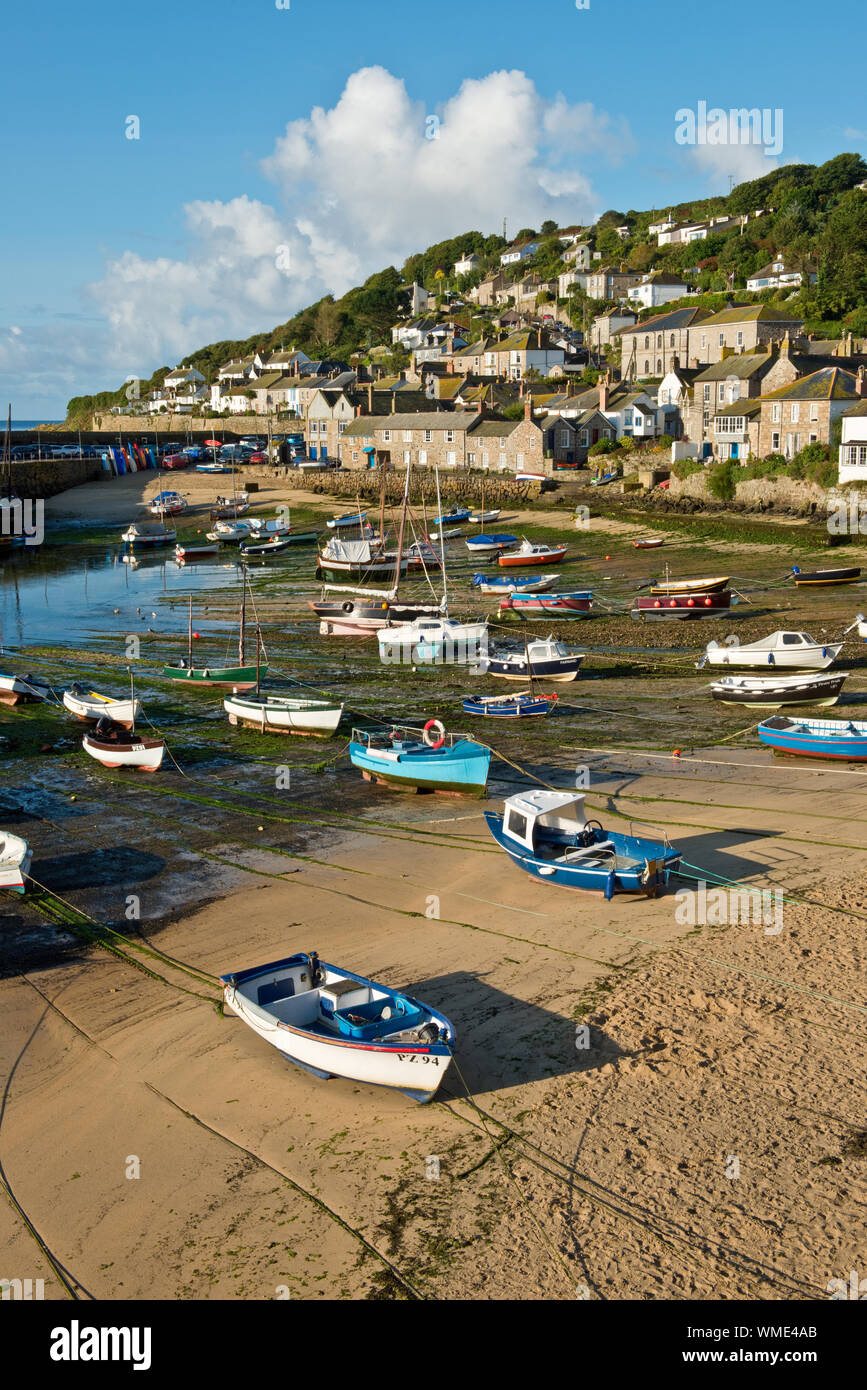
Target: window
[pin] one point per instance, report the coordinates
(705, 419)
(795, 414)
(501, 460)
(646, 366)
(722, 338)
(519, 460)
(775, 443)
(671, 341)
(428, 436)
(707, 392)
(776, 409)
(355, 456)
(740, 339)
(721, 392)
(450, 436)
(659, 364)
(451, 459)
(407, 436)
(814, 438)
(563, 439)
(407, 456)
(486, 460)
(814, 412)
(855, 455)
(386, 436)
(471, 458)
(659, 340)
(704, 340)
(584, 437)
(422, 456)
(647, 342)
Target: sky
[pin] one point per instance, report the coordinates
(285, 149)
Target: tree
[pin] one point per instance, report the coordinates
(525, 234)
(326, 326)
(548, 227)
(609, 243)
(842, 250)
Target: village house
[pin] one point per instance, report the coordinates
(578, 255)
(519, 251)
(486, 292)
(804, 412)
(526, 350)
(736, 429)
(609, 283)
(738, 376)
(775, 277)
(613, 321)
(182, 390)
(741, 327)
(852, 454)
(650, 348)
(658, 288)
(459, 439)
(467, 264)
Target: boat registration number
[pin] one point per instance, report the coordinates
(417, 1057)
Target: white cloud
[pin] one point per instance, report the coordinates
(719, 162)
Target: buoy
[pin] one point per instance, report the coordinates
(672, 603)
(73, 798)
(690, 603)
(657, 604)
(676, 753)
(708, 603)
(196, 635)
(260, 827)
(608, 557)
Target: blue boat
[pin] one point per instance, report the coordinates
(842, 739)
(212, 468)
(508, 706)
(507, 584)
(451, 518)
(403, 757)
(351, 521)
(484, 543)
(547, 834)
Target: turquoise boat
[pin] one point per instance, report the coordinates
(421, 759)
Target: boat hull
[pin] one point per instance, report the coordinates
(505, 708)
(548, 605)
(820, 578)
(767, 693)
(285, 716)
(549, 557)
(645, 867)
(683, 606)
(811, 739)
(15, 689)
(463, 768)
(239, 677)
(145, 755)
(558, 669)
(690, 586)
(90, 710)
(15, 863)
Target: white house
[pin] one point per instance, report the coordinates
(519, 252)
(665, 226)
(658, 288)
(684, 231)
(467, 264)
(578, 254)
(852, 456)
(774, 276)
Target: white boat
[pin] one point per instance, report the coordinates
(332, 1022)
(793, 651)
(15, 860)
(543, 659)
(482, 517)
(148, 533)
(503, 585)
(168, 503)
(195, 552)
(118, 748)
(230, 531)
(283, 714)
(432, 639)
(90, 706)
(273, 526)
(449, 535)
(14, 689)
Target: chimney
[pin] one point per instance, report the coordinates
(693, 362)
(785, 345)
(675, 362)
(603, 392)
(528, 408)
(394, 402)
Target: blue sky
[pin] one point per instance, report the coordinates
(122, 254)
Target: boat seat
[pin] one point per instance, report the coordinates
(589, 851)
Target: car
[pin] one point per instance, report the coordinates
(175, 461)
(259, 457)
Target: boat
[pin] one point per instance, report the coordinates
(421, 555)
(485, 544)
(213, 468)
(231, 532)
(530, 554)
(826, 577)
(17, 689)
(840, 739)
(15, 860)
(334, 1023)
(687, 604)
(513, 584)
(277, 545)
(521, 706)
(792, 651)
(453, 517)
(542, 659)
(432, 639)
(352, 521)
(773, 692)
(713, 585)
(358, 560)
(605, 478)
(483, 517)
(148, 533)
(524, 477)
(113, 745)
(240, 677)
(184, 553)
(261, 526)
(227, 508)
(573, 605)
(547, 835)
(280, 714)
(648, 543)
(450, 535)
(171, 503)
(426, 759)
(90, 706)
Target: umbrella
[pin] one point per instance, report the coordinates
(213, 443)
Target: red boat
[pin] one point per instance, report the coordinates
(698, 605)
(554, 605)
(529, 554)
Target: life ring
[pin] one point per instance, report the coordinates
(348, 606)
(434, 724)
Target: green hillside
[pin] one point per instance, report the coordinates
(814, 216)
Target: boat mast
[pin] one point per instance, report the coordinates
(190, 636)
(398, 562)
(445, 603)
(243, 614)
(258, 649)
(132, 706)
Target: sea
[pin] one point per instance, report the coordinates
(32, 424)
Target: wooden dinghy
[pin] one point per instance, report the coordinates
(574, 605)
(649, 543)
(114, 746)
(816, 578)
(278, 714)
(714, 585)
(838, 739)
(90, 706)
(334, 1023)
(547, 834)
(514, 583)
(521, 706)
(15, 860)
(773, 692)
(17, 689)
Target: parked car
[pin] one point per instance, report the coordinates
(176, 461)
(260, 456)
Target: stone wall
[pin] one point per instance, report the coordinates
(499, 491)
(46, 477)
(799, 498)
(179, 424)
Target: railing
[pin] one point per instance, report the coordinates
(385, 737)
(657, 830)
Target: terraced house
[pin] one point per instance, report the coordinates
(650, 348)
(446, 439)
(739, 328)
(804, 412)
(526, 350)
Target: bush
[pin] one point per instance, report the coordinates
(602, 446)
(685, 468)
(665, 441)
(721, 480)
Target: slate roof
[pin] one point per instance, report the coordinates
(741, 365)
(746, 406)
(828, 384)
(677, 318)
(750, 313)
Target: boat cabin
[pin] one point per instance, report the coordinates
(560, 814)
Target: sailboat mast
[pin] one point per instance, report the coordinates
(190, 635)
(398, 562)
(445, 604)
(258, 650)
(132, 706)
(243, 614)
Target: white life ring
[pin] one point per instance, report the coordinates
(434, 724)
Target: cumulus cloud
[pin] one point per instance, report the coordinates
(378, 177)
(717, 163)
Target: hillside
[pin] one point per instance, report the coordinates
(814, 216)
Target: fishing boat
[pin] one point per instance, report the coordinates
(487, 544)
(791, 651)
(426, 759)
(431, 639)
(184, 553)
(15, 860)
(547, 835)
(15, 690)
(352, 521)
(266, 527)
(840, 739)
(114, 746)
(773, 692)
(227, 508)
(542, 659)
(231, 532)
(514, 583)
(334, 1023)
(687, 604)
(90, 706)
(825, 577)
(167, 503)
(649, 543)
(277, 545)
(281, 714)
(483, 517)
(574, 605)
(148, 533)
(714, 585)
(528, 553)
(453, 517)
(240, 677)
(523, 706)
(358, 559)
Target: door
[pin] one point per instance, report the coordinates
(324, 453)
(313, 453)
(734, 451)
